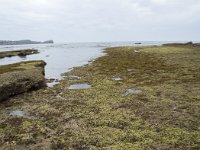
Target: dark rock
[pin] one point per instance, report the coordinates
(182, 44)
(189, 43)
(49, 41)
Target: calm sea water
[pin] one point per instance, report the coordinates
(62, 57)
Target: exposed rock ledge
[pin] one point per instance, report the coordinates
(183, 44)
(20, 53)
(21, 77)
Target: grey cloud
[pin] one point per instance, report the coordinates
(99, 20)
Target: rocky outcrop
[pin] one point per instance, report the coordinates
(49, 41)
(182, 44)
(20, 53)
(21, 42)
(21, 77)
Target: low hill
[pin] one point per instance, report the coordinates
(21, 42)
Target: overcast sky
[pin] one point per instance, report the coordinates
(100, 20)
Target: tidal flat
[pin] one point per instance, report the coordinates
(165, 115)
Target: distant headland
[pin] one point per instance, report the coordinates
(21, 42)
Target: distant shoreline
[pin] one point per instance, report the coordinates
(23, 42)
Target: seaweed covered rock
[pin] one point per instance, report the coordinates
(20, 53)
(21, 77)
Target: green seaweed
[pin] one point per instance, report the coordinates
(21, 66)
(165, 116)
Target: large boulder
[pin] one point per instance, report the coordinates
(21, 77)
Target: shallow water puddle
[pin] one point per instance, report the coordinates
(79, 86)
(71, 77)
(117, 79)
(52, 84)
(132, 91)
(19, 113)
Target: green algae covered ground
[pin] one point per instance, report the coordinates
(21, 66)
(20, 53)
(166, 115)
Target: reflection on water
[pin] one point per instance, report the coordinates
(61, 57)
